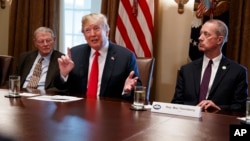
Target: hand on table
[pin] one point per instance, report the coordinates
(208, 104)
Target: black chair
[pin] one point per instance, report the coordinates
(146, 68)
(5, 68)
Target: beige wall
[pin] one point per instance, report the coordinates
(172, 44)
(4, 26)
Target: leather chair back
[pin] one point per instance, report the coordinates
(5, 68)
(146, 68)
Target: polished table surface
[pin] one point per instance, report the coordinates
(24, 119)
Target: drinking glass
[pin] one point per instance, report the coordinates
(139, 97)
(248, 110)
(14, 85)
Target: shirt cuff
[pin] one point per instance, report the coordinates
(64, 78)
(126, 93)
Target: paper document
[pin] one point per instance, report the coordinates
(244, 120)
(56, 98)
(28, 94)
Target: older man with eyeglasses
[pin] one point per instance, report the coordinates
(38, 68)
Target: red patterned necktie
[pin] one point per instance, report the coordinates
(93, 78)
(205, 81)
(36, 75)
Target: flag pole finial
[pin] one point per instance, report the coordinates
(181, 5)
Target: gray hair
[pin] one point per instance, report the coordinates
(221, 29)
(43, 30)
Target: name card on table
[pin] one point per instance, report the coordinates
(176, 109)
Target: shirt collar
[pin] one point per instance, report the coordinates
(46, 57)
(216, 60)
(103, 50)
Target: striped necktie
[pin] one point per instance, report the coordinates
(36, 75)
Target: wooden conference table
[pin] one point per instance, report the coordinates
(24, 119)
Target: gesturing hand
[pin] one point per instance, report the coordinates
(65, 63)
(130, 82)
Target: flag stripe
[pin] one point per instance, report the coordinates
(124, 32)
(147, 14)
(135, 32)
(137, 28)
(130, 34)
(203, 6)
(147, 24)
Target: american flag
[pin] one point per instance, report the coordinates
(203, 6)
(134, 28)
(197, 22)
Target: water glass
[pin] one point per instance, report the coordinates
(248, 110)
(14, 85)
(139, 97)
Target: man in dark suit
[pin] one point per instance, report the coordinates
(44, 40)
(118, 71)
(228, 86)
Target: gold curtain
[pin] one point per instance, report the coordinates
(239, 32)
(110, 9)
(25, 17)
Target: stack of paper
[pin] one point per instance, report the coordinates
(56, 98)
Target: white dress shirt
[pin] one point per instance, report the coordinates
(215, 65)
(45, 66)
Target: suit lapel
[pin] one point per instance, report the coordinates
(83, 61)
(108, 68)
(197, 76)
(30, 61)
(222, 70)
(52, 69)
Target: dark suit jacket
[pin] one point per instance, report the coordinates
(26, 61)
(119, 63)
(229, 90)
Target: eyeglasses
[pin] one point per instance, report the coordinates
(48, 41)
